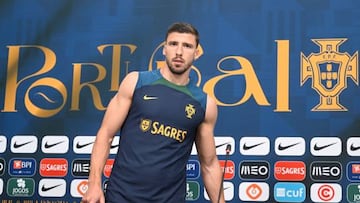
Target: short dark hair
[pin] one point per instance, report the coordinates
(182, 27)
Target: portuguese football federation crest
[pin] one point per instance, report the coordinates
(329, 70)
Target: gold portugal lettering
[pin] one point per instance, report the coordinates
(245, 69)
(37, 79)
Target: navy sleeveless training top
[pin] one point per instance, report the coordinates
(156, 141)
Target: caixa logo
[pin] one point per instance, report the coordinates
(289, 192)
(22, 167)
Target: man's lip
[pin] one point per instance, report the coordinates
(178, 60)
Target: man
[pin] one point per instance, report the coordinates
(160, 114)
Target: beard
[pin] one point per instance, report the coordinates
(177, 70)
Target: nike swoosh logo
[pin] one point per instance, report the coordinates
(280, 147)
(317, 148)
(45, 189)
(52, 145)
(113, 146)
(16, 145)
(79, 146)
(245, 147)
(146, 97)
(220, 145)
(227, 188)
(353, 148)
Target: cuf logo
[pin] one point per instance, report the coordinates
(329, 70)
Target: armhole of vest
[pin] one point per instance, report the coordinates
(139, 80)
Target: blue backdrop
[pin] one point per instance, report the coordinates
(284, 73)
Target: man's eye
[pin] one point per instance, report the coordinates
(172, 43)
(188, 46)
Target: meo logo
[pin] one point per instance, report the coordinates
(258, 170)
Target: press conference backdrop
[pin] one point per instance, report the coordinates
(285, 75)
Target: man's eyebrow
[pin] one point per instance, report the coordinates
(172, 42)
(182, 43)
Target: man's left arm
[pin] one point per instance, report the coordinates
(209, 163)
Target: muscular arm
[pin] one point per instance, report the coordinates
(205, 144)
(114, 117)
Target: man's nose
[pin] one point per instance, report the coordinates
(179, 50)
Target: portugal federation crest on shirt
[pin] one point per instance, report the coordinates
(145, 124)
(190, 110)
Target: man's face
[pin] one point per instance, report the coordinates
(180, 52)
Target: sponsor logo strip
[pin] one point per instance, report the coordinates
(290, 170)
(20, 187)
(53, 167)
(254, 191)
(325, 192)
(254, 170)
(325, 146)
(290, 146)
(254, 146)
(325, 171)
(193, 169)
(289, 192)
(22, 167)
(52, 187)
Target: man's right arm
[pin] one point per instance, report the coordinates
(114, 117)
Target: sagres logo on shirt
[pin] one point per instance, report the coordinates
(158, 128)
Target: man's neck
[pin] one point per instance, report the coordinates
(181, 79)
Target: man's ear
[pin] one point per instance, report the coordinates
(197, 54)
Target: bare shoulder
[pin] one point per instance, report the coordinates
(128, 84)
(211, 110)
(131, 77)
